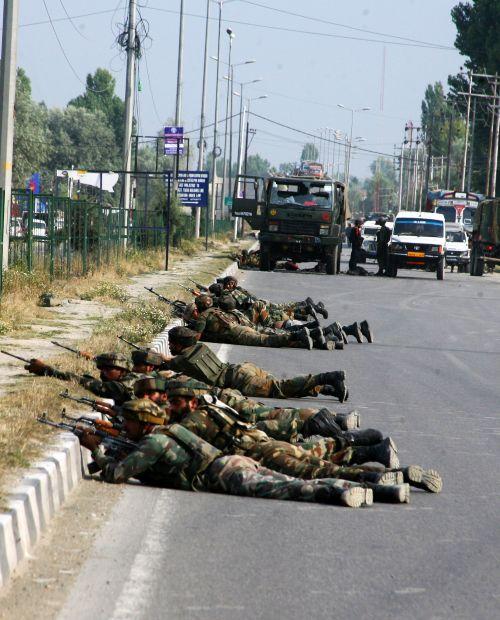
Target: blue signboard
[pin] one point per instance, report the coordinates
(192, 188)
(174, 140)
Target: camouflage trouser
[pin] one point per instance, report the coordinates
(251, 380)
(240, 475)
(263, 314)
(282, 423)
(294, 461)
(238, 334)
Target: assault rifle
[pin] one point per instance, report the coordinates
(97, 405)
(18, 357)
(130, 344)
(115, 446)
(202, 287)
(178, 306)
(87, 356)
(189, 290)
(112, 428)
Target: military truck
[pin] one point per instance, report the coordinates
(485, 241)
(299, 218)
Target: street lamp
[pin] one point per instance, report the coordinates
(352, 111)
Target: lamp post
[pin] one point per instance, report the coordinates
(352, 111)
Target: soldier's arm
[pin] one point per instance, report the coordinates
(149, 451)
(105, 389)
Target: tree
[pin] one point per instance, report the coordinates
(257, 165)
(100, 96)
(31, 139)
(82, 139)
(309, 152)
(382, 187)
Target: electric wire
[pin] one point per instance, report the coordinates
(71, 21)
(63, 51)
(306, 32)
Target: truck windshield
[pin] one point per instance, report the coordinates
(456, 236)
(301, 194)
(450, 213)
(418, 227)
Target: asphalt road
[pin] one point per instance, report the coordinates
(431, 381)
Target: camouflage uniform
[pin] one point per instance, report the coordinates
(246, 440)
(174, 457)
(249, 379)
(218, 326)
(120, 391)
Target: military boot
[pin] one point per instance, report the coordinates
(384, 452)
(337, 390)
(318, 337)
(303, 337)
(366, 437)
(366, 331)
(322, 423)
(353, 330)
(394, 494)
(386, 478)
(426, 479)
(319, 307)
(348, 421)
(336, 330)
(296, 328)
(353, 496)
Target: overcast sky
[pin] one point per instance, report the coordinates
(305, 73)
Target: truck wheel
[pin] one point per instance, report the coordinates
(265, 259)
(440, 269)
(476, 264)
(332, 260)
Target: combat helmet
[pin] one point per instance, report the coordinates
(180, 388)
(183, 335)
(150, 384)
(203, 302)
(147, 356)
(143, 410)
(227, 303)
(113, 360)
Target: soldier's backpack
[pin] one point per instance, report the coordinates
(201, 363)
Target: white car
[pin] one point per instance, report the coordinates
(457, 248)
(369, 233)
(418, 242)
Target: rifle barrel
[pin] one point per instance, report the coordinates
(18, 357)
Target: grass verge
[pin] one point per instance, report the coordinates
(22, 438)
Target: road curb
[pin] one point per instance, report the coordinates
(33, 503)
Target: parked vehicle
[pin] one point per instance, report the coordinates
(418, 242)
(457, 253)
(369, 233)
(485, 237)
(457, 207)
(298, 218)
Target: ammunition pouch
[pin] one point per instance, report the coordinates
(202, 452)
(202, 364)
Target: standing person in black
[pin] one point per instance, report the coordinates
(383, 238)
(356, 243)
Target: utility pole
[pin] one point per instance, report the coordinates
(129, 114)
(448, 154)
(180, 60)
(494, 167)
(201, 150)
(400, 190)
(471, 156)
(213, 196)
(8, 73)
(429, 158)
(466, 145)
(494, 111)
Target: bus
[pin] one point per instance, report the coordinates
(456, 207)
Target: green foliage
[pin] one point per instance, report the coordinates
(31, 138)
(257, 165)
(382, 187)
(477, 33)
(99, 96)
(106, 290)
(309, 152)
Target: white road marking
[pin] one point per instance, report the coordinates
(137, 591)
(410, 591)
